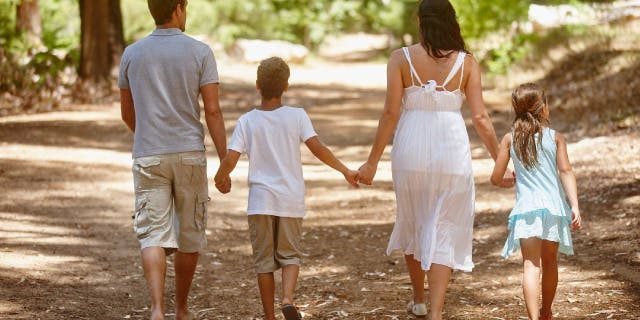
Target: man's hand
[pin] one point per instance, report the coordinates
(223, 184)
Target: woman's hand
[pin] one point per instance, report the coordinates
(509, 179)
(366, 173)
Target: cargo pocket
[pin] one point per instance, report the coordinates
(200, 216)
(143, 170)
(141, 221)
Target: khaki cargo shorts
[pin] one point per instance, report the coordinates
(171, 201)
(275, 241)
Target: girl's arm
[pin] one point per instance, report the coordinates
(500, 167)
(327, 157)
(222, 179)
(388, 120)
(568, 180)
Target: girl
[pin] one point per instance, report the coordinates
(539, 222)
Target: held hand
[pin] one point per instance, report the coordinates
(576, 220)
(223, 184)
(366, 173)
(352, 177)
(509, 179)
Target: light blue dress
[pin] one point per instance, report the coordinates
(541, 208)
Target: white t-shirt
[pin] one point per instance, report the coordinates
(272, 141)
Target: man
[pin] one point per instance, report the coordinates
(160, 79)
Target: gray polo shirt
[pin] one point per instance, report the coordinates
(164, 72)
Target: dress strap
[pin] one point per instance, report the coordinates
(413, 70)
(464, 55)
(459, 63)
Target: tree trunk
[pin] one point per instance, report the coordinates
(28, 21)
(102, 39)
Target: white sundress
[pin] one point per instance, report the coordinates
(432, 175)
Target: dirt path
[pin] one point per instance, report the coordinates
(67, 250)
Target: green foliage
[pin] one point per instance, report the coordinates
(478, 18)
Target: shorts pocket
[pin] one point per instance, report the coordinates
(200, 215)
(194, 160)
(142, 221)
(146, 162)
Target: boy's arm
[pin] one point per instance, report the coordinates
(502, 161)
(222, 179)
(327, 157)
(568, 180)
(213, 116)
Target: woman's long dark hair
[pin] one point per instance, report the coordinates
(439, 28)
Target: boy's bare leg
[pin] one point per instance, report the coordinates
(530, 248)
(185, 265)
(154, 264)
(549, 256)
(267, 285)
(417, 278)
(289, 280)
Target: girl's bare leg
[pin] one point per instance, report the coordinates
(549, 257)
(530, 248)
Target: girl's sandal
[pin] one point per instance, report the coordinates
(290, 312)
(546, 316)
(419, 310)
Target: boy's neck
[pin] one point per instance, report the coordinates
(270, 104)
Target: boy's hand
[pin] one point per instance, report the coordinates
(223, 184)
(576, 220)
(352, 177)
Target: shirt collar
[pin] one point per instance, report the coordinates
(166, 32)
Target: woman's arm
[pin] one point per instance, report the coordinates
(568, 180)
(388, 120)
(479, 116)
(502, 162)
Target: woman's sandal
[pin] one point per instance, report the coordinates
(419, 310)
(290, 312)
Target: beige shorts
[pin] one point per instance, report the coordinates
(171, 201)
(275, 241)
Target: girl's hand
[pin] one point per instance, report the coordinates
(576, 220)
(509, 179)
(352, 177)
(223, 184)
(366, 173)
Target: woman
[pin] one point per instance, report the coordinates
(431, 157)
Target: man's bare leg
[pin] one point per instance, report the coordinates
(154, 263)
(185, 265)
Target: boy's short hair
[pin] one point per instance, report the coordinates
(273, 77)
(161, 10)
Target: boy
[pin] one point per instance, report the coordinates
(271, 135)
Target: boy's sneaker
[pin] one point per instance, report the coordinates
(417, 309)
(290, 312)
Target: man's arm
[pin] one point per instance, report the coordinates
(127, 109)
(213, 116)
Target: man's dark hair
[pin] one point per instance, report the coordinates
(273, 77)
(161, 10)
